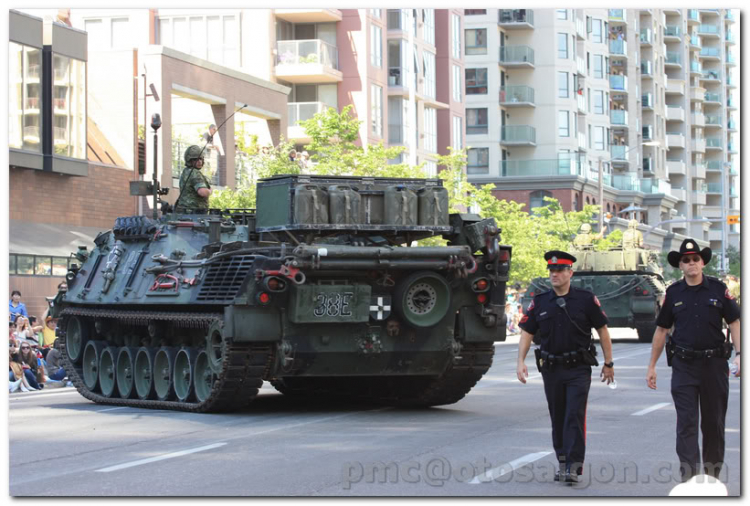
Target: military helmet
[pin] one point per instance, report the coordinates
(633, 224)
(192, 153)
(585, 228)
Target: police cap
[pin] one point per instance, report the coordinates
(559, 260)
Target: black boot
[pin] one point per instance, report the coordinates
(571, 478)
(560, 474)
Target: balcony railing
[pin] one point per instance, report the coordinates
(397, 77)
(695, 41)
(647, 100)
(619, 83)
(61, 75)
(729, 16)
(554, 167)
(31, 132)
(730, 59)
(60, 103)
(626, 182)
(618, 117)
(618, 47)
(711, 74)
(710, 52)
(729, 38)
(696, 67)
(296, 52)
(646, 36)
(714, 188)
(516, 54)
(731, 125)
(713, 142)
(32, 71)
(673, 58)
(60, 134)
(712, 97)
(619, 152)
(730, 81)
(647, 68)
(693, 15)
(516, 95)
(516, 16)
(617, 15)
(671, 31)
(713, 120)
(518, 134)
(730, 103)
(302, 111)
(652, 185)
(714, 165)
(708, 30)
(32, 103)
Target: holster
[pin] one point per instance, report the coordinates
(670, 351)
(539, 361)
(727, 348)
(589, 355)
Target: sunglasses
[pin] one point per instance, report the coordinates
(25, 347)
(688, 259)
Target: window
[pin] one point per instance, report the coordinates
(562, 85)
(429, 74)
(37, 265)
(562, 45)
(476, 41)
(478, 161)
(25, 97)
(455, 36)
(598, 66)
(599, 138)
(458, 133)
(430, 129)
(536, 199)
(376, 46)
(396, 120)
(474, 12)
(598, 102)
(376, 111)
(457, 83)
(214, 38)
(428, 30)
(376, 13)
(476, 121)
(563, 126)
(69, 102)
(430, 168)
(476, 81)
(596, 27)
(562, 13)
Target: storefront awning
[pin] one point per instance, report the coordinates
(50, 239)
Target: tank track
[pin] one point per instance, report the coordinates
(243, 368)
(448, 388)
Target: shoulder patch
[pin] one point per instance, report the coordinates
(524, 318)
(728, 295)
(596, 301)
(531, 306)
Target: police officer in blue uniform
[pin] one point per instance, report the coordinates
(563, 318)
(698, 354)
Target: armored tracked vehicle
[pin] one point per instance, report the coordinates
(319, 291)
(627, 282)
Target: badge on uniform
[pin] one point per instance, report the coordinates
(677, 304)
(524, 318)
(713, 302)
(531, 306)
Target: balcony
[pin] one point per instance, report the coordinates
(731, 104)
(307, 61)
(647, 101)
(582, 145)
(696, 68)
(60, 135)
(712, 98)
(647, 132)
(695, 42)
(580, 66)
(517, 56)
(675, 113)
(710, 75)
(397, 78)
(712, 211)
(699, 170)
(679, 193)
(675, 87)
(731, 125)
(581, 102)
(301, 111)
(729, 16)
(731, 148)
(309, 15)
(693, 16)
(698, 119)
(61, 76)
(553, 167)
(673, 59)
(646, 36)
(730, 82)
(715, 235)
(714, 166)
(516, 19)
(653, 185)
(697, 94)
(714, 143)
(729, 38)
(519, 135)
(709, 31)
(710, 53)
(699, 144)
(32, 104)
(626, 182)
(617, 16)
(699, 197)
(618, 117)
(672, 33)
(676, 167)
(647, 69)
(619, 153)
(712, 121)
(618, 83)
(580, 29)
(517, 96)
(31, 134)
(675, 140)
(731, 62)
(618, 48)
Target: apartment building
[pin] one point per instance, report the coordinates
(623, 91)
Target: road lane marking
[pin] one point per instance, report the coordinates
(652, 408)
(34, 395)
(511, 466)
(159, 458)
(111, 409)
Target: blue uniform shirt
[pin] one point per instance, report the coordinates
(19, 309)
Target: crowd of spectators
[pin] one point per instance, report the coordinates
(34, 362)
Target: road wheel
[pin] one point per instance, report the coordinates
(107, 371)
(163, 378)
(76, 337)
(422, 299)
(91, 357)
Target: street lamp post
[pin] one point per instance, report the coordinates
(601, 180)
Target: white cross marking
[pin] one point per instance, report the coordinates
(380, 308)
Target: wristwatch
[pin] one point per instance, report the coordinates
(609, 364)
(736, 353)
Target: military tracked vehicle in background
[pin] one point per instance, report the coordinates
(627, 282)
(318, 291)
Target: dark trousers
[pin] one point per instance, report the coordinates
(567, 392)
(700, 386)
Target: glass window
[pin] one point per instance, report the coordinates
(536, 199)
(120, 32)
(457, 83)
(476, 81)
(455, 36)
(596, 27)
(96, 34)
(599, 138)
(598, 66)
(69, 102)
(478, 161)
(11, 264)
(25, 265)
(377, 110)
(563, 126)
(376, 48)
(25, 97)
(476, 121)
(430, 168)
(562, 45)
(397, 120)
(562, 14)
(181, 40)
(376, 13)
(428, 30)
(429, 74)
(430, 129)
(43, 266)
(562, 85)
(476, 41)
(474, 12)
(458, 132)
(598, 102)
(59, 266)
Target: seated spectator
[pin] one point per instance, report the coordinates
(22, 371)
(31, 362)
(36, 328)
(15, 306)
(50, 331)
(23, 331)
(55, 371)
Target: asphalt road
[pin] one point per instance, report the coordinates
(62, 444)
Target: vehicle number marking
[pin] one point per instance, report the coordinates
(333, 304)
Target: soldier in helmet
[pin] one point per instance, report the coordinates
(194, 186)
(632, 238)
(584, 239)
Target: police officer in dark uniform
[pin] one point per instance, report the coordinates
(563, 318)
(698, 354)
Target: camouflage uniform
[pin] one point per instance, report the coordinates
(632, 238)
(191, 180)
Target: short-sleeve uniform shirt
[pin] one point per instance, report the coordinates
(696, 313)
(557, 334)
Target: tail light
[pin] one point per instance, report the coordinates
(503, 255)
(274, 284)
(645, 292)
(264, 298)
(482, 298)
(481, 285)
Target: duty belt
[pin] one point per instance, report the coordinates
(686, 353)
(568, 359)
